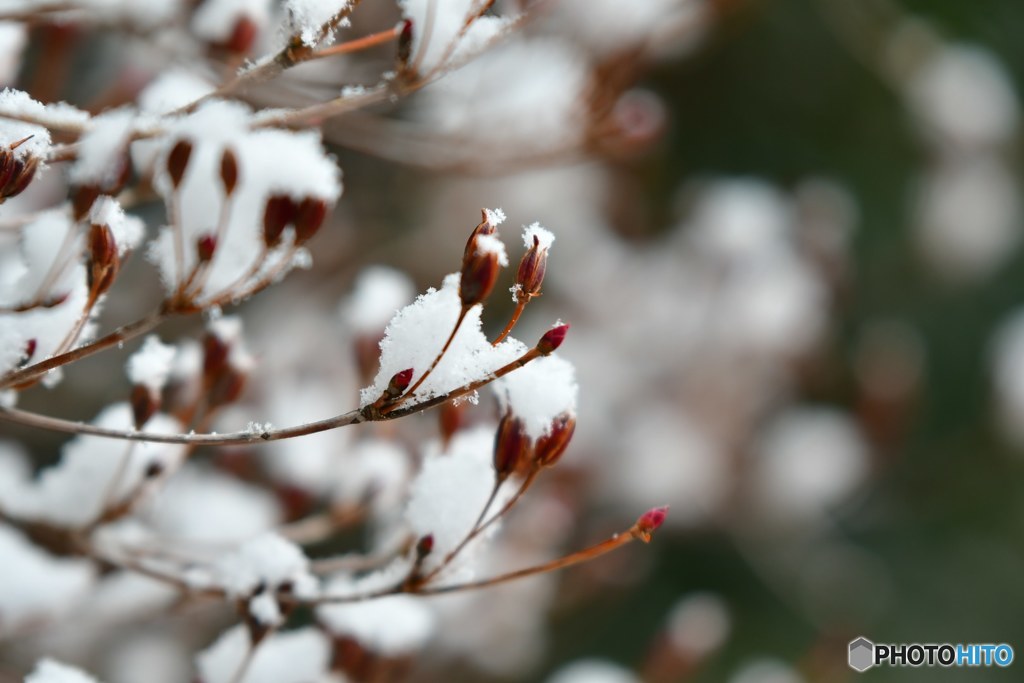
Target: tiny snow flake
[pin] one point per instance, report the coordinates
(494, 216)
(545, 238)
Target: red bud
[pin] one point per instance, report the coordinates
(280, 211)
(145, 402)
(531, 270)
(552, 339)
(649, 523)
(229, 171)
(309, 217)
(103, 263)
(511, 446)
(424, 546)
(177, 161)
(551, 446)
(206, 245)
(405, 42)
(399, 383)
(243, 36)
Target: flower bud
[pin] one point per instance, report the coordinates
(215, 355)
(280, 212)
(103, 263)
(484, 227)
(229, 171)
(424, 547)
(30, 351)
(82, 198)
(399, 383)
(550, 447)
(15, 173)
(531, 270)
(206, 246)
(649, 523)
(552, 339)
(145, 402)
(511, 446)
(177, 161)
(308, 219)
(243, 36)
(405, 43)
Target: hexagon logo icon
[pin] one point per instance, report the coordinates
(862, 654)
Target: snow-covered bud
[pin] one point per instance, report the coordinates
(649, 523)
(16, 172)
(511, 446)
(308, 218)
(103, 259)
(399, 383)
(552, 339)
(484, 256)
(229, 171)
(550, 447)
(206, 245)
(177, 161)
(531, 270)
(145, 401)
(279, 213)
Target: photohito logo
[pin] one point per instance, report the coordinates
(863, 654)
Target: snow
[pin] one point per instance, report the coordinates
(494, 216)
(375, 470)
(545, 238)
(539, 392)
(13, 36)
(38, 586)
(151, 364)
(391, 626)
(202, 504)
(450, 491)
(300, 656)
(265, 610)
(103, 149)
(269, 162)
(436, 29)
(51, 671)
(95, 473)
(18, 104)
(307, 17)
(172, 89)
(128, 230)
(378, 294)
(266, 562)
(418, 332)
(38, 144)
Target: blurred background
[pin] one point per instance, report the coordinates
(788, 241)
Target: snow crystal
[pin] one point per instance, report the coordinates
(51, 671)
(539, 392)
(307, 17)
(392, 626)
(215, 20)
(203, 504)
(128, 230)
(378, 294)
(95, 472)
(593, 671)
(266, 561)
(417, 334)
(298, 656)
(450, 490)
(102, 149)
(494, 216)
(38, 586)
(151, 364)
(545, 238)
(17, 104)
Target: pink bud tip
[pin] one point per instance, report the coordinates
(552, 339)
(402, 379)
(651, 520)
